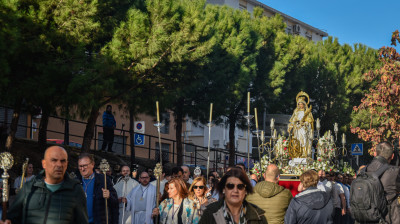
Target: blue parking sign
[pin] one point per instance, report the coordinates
(139, 139)
(357, 149)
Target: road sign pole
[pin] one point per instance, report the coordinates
(357, 156)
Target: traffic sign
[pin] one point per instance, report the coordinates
(139, 139)
(357, 149)
(139, 127)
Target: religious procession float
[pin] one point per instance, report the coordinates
(293, 153)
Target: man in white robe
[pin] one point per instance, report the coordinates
(141, 201)
(124, 185)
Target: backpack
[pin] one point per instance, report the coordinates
(367, 197)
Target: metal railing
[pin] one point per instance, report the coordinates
(193, 155)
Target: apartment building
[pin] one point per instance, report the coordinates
(294, 26)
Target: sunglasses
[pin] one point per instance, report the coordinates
(201, 187)
(239, 186)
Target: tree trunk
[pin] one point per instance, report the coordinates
(89, 131)
(14, 125)
(232, 126)
(44, 121)
(131, 136)
(178, 122)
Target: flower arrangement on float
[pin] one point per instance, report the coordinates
(347, 169)
(326, 147)
(326, 152)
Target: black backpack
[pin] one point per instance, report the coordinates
(367, 197)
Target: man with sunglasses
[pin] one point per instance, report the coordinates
(270, 196)
(142, 200)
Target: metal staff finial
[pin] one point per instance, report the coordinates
(23, 172)
(7, 161)
(197, 171)
(104, 167)
(157, 174)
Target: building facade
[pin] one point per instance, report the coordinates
(293, 25)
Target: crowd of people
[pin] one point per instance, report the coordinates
(54, 196)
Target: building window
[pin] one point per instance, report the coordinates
(165, 120)
(309, 35)
(242, 5)
(165, 152)
(288, 30)
(296, 29)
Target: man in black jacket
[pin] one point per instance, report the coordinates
(51, 197)
(390, 179)
(312, 205)
(95, 192)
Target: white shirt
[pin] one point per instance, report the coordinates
(162, 185)
(337, 190)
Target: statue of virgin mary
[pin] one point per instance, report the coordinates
(301, 128)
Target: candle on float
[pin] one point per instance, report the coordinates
(274, 135)
(262, 136)
(255, 114)
(272, 126)
(336, 127)
(158, 112)
(248, 102)
(318, 125)
(211, 107)
(343, 139)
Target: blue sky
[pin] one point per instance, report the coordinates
(370, 22)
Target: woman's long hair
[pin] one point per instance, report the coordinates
(180, 187)
(195, 181)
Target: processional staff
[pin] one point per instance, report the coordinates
(6, 163)
(258, 135)
(104, 167)
(248, 118)
(210, 125)
(125, 179)
(23, 172)
(158, 168)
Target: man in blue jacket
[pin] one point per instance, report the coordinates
(109, 125)
(96, 193)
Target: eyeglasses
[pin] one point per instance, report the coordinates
(84, 166)
(201, 187)
(239, 186)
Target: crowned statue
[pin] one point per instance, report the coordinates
(301, 127)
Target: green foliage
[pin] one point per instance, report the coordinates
(376, 119)
(185, 53)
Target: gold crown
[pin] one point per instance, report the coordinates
(303, 97)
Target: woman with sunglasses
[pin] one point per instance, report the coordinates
(197, 193)
(177, 208)
(232, 208)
